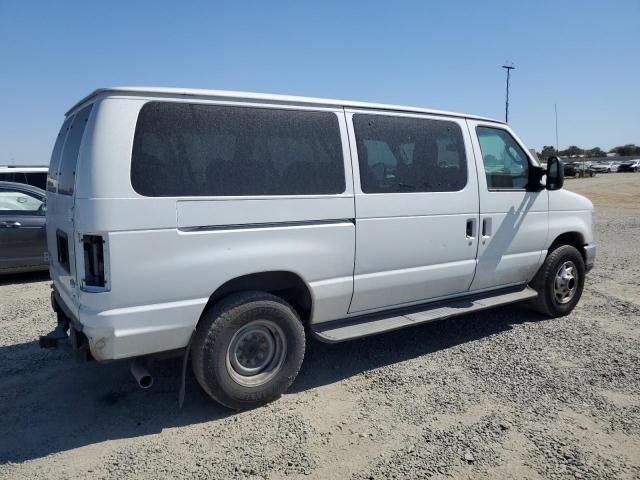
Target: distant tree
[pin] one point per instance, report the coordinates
(595, 152)
(628, 149)
(571, 151)
(548, 151)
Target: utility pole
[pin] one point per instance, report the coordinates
(508, 67)
(557, 146)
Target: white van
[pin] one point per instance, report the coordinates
(29, 175)
(222, 226)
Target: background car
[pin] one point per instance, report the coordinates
(569, 169)
(604, 167)
(36, 176)
(630, 165)
(22, 228)
(578, 169)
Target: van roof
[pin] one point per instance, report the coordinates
(263, 97)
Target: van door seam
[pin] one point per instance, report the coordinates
(355, 212)
(475, 159)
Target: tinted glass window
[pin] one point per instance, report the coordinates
(399, 154)
(182, 150)
(54, 163)
(20, 203)
(37, 179)
(18, 177)
(69, 159)
(30, 178)
(506, 165)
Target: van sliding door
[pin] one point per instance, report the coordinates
(417, 208)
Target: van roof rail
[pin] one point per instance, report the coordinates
(266, 98)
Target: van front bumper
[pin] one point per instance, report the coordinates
(589, 256)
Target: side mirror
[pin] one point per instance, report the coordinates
(555, 174)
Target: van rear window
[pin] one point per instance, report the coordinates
(184, 149)
(54, 163)
(69, 158)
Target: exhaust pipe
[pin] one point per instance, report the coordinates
(141, 374)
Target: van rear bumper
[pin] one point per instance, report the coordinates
(134, 331)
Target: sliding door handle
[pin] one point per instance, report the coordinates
(471, 228)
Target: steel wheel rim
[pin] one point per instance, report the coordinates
(565, 283)
(256, 353)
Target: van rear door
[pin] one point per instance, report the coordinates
(60, 205)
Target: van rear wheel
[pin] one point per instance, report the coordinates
(559, 282)
(248, 349)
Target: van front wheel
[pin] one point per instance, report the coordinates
(248, 349)
(559, 282)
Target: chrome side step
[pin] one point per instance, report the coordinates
(372, 324)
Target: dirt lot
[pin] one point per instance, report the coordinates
(502, 394)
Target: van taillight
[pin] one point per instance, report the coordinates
(93, 246)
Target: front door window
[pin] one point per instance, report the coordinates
(506, 165)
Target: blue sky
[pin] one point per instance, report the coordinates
(582, 54)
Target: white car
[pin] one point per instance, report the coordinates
(28, 175)
(604, 167)
(225, 226)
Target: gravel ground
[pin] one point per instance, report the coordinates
(501, 394)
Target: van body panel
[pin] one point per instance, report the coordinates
(412, 246)
(564, 221)
(173, 266)
(203, 213)
(109, 143)
(95, 215)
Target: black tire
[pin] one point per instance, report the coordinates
(544, 282)
(212, 358)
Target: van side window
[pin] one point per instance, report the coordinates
(401, 154)
(69, 158)
(506, 165)
(184, 149)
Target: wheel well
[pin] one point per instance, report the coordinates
(286, 285)
(569, 238)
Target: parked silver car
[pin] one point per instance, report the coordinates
(22, 228)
